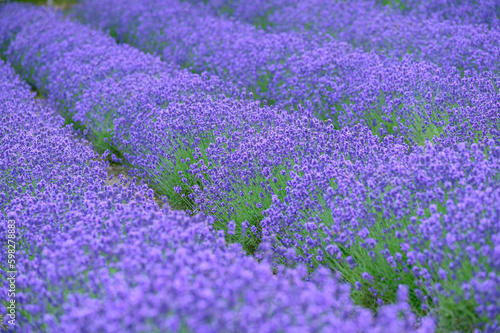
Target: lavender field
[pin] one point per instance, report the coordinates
(291, 166)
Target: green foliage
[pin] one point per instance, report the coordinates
(58, 3)
(456, 311)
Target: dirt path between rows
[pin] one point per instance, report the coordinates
(115, 170)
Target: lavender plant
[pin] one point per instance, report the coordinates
(157, 121)
(393, 94)
(189, 36)
(415, 100)
(447, 43)
(485, 12)
(426, 220)
(87, 251)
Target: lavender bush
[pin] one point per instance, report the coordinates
(153, 120)
(426, 219)
(82, 249)
(425, 34)
(482, 11)
(184, 34)
(393, 94)
(415, 100)
(170, 132)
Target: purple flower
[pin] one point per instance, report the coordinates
(366, 276)
(231, 228)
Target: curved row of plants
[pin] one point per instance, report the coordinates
(445, 90)
(451, 33)
(408, 97)
(95, 258)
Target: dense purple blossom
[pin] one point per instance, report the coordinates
(397, 202)
(479, 11)
(248, 11)
(449, 33)
(82, 264)
(185, 34)
(414, 99)
(467, 45)
(151, 120)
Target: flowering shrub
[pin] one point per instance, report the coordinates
(184, 34)
(196, 150)
(443, 91)
(448, 33)
(413, 99)
(100, 258)
(410, 219)
(481, 11)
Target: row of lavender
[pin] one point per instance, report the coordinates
(94, 258)
(357, 205)
(457, 27)
(443, 90)
(437, 96)
(274, 12)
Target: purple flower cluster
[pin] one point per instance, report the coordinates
(479, 11)
(421, 29)
(388, 31)
(414, 99)
(176, 129)
(255, 12)
(188, 35)
(103, 258)
(428, 219)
